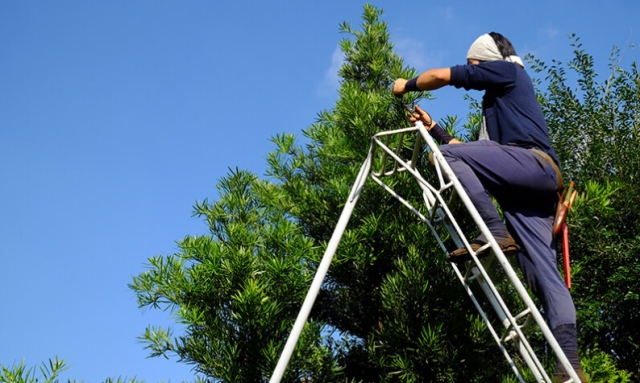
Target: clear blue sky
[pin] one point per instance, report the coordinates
(116, 116)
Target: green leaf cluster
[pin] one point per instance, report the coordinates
(21, 374)
(238, 289)
(49, 373)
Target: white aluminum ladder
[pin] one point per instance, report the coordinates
(386, 155)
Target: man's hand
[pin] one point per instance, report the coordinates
(398, 87)
(434, 130)
(423, 116)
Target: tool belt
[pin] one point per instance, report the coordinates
(562, 208)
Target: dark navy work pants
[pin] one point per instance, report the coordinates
(525, 186)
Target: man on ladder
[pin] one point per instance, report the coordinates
(513, 161)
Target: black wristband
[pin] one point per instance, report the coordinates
(440, 134)
(412, 85)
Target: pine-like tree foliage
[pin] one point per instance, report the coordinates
(391, 309)
(389, 286)
(238, 289)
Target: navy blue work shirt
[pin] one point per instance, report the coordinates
(513, 115)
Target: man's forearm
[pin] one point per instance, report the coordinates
(434, 79)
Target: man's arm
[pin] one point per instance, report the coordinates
(429, 80)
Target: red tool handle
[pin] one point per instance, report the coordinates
(565, 255)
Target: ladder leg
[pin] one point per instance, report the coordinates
(322, 271)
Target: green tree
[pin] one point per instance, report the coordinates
(384, 313)
(391, 309)
(595, 127)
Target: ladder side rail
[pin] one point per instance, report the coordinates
(438, 158)
(397, 196)
(524, 349)
(467, 287)
(423, 183)
(452, 223)
(490, 290)
(427, 188)
(526, 352)
(322, 269)
(510, 334)
(494, 297)
(539, 373)
(536, 368)
(529, 359)
(490, 295)
(490, 327)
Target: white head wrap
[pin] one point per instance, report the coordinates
(485, 49)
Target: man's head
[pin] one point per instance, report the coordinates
(492, 47)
